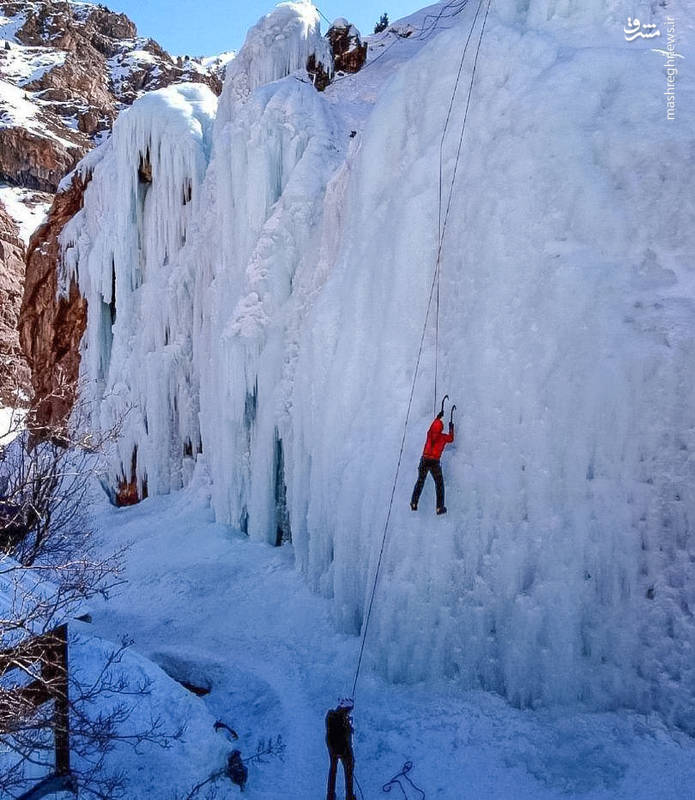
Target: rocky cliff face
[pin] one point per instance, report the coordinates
(13, 369)
(50, 326)
(349, 51)
(66, 70)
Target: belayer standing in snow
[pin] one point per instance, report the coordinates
(437, 440)
(339, 743)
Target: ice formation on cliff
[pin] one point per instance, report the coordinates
(279, 44)
(270, 288)
(125, 249)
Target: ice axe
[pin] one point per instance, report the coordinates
(451, 418)
(444, 399)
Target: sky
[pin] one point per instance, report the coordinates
(183, 27)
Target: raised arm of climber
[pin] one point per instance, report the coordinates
(437, 440)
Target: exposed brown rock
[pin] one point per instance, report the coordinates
(318, 73)
(55, 23)
(127, 493)
(88, 122)
(82, 77)
(349, 52)
(145, 168)
(106, 26)
(14, 372)
(38, 162)
(51, 327)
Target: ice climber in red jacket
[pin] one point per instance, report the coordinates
(435, 444)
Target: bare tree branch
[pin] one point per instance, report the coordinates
(50, 563)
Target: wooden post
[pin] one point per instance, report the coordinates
(55, 671)
(50, 651)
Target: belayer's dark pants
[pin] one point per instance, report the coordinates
(432, 466)
(348, 767)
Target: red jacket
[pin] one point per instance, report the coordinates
(436, 440)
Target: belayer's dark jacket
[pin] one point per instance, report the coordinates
(338, 732)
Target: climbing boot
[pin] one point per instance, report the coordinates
(441, 510)
(413, 506)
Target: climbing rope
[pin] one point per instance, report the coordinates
(435, 284)
(430, 22)
(441, 228)
(429, 27)
(403, 776)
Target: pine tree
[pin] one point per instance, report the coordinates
(382, 24)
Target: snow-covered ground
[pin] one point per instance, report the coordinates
(217, 610)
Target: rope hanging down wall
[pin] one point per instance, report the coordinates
(442, 225)
(429, 26)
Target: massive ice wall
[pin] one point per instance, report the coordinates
(564, 569)
(155, 274)
(274, 155)
(275, 149)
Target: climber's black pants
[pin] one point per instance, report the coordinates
(432, 466)
(348, 768)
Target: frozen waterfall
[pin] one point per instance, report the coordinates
(271, 277)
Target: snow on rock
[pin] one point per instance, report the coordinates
(66, 70)
(192, 758)
(349, 52)
(23, 65)
(280, 339)
(9, 25)
(216, 64)
(26, 207)
(17, 110)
